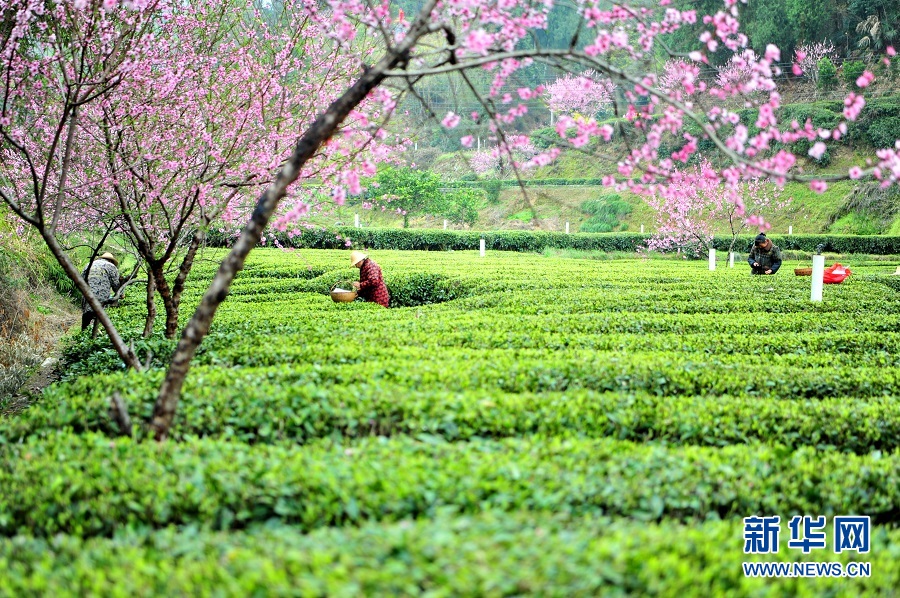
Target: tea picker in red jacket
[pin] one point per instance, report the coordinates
(371, 283)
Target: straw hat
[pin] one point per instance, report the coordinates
(356, 257)
(109, 257)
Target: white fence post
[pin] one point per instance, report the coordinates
(818, 276)
(642, 229)
(790, 230)
(445, 224)
(731, 259)
(482, 248)
(712, 259)
(567, 228)
(356, 220)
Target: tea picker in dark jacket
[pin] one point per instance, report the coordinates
(765, 258)
(104, 279)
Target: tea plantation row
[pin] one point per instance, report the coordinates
(517, 424)
(88, 486)
(258, 408)
(443, 240)
(490, 554)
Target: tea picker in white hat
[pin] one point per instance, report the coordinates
(104, 280)
(371, 283)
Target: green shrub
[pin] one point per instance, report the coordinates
(592, 206)
(524, 438)
(605, 213)
(423, 289)
(492, 189)
(609, 204)
(86, 356)
(801, 148)
(875, 110)
(55, 274)
(845, 244)
(827, 73)
(460, 206)
(597, 224)
(546, 137)
(466, 182)
(885, 132)
(819, 114)
(892, 282)
(851, 71)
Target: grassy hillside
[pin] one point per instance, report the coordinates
(838, 211)
(36, 307)
(550, 207)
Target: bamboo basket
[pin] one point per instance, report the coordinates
(342, 296)
(802, 271)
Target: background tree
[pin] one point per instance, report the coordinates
(677, 75)
(877, 31)
(514, 155)
(408, 191)
(185, 151)
(143, 146)
(737, 73)
(460, 206)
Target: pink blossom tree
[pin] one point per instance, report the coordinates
(183, 150)
(680, 79)
(163, 150)
(56, 60)
(808, 55)
(485, 162)
(738, 75)
(515, 153)
(695, 206)
(585, 94)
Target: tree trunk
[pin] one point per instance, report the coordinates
(186, 264)
(319, 132)
(162, 287)
(75, 276)
(405, 221)
(151, 305)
